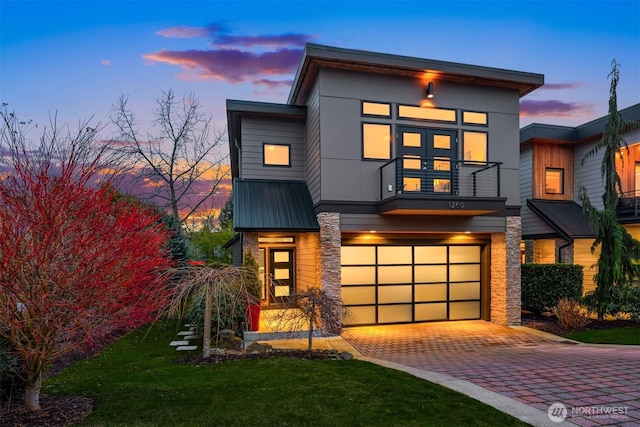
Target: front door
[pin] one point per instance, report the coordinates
(427, 160)
(280, 274)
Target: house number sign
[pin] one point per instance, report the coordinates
(456, 205)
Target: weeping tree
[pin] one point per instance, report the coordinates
(618, 249)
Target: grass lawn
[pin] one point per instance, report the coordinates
(630, 336)
(137, 382)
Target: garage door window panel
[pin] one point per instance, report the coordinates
(394, 274)
(394, 294)
(431, 292)
(464, 273)
(464, 310)
(358, 275)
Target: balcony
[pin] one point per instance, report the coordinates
(432, 186)
(628, 210)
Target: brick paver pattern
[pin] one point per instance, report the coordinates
(517, 364)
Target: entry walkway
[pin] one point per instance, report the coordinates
(598, 385)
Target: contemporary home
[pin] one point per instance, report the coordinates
(389, 181)
(553, 168)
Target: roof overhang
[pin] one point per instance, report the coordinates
(461, 206)
(269, 205)
(566, 217)
(319, 56)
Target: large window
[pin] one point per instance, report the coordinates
(554, 181)
(276, 155)
(376, 141)
(426, 113)
(474, 146)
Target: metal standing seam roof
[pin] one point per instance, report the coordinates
(266, 205)
(564, 216)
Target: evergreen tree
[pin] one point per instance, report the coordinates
(618, 249)
(226, 215)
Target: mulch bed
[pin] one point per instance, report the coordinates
(227, 356)
(547, 322)
(56, 411)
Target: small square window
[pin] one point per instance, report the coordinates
(554, 181)
(276, 155)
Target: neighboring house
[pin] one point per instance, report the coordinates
(553, 168)
(389, 181)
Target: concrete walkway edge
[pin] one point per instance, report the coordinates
(521, 411)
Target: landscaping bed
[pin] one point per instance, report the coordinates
(547, 322)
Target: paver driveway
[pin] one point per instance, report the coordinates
(526, 367)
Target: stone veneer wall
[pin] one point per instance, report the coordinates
(566, 253)
(330, 243)
(250, 242)
(505, 274)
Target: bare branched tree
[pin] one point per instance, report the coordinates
(180, 154)
(310, 310)
(230, 286)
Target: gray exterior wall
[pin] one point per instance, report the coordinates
(256, 132)
(346, 177)
(415, 223)
(588, 175)
(312, 176)
(531, 223)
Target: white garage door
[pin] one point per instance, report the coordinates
(410, 283)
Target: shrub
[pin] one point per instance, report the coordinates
(571, 315)
(625, 302)
(12, 385)
(543, 285)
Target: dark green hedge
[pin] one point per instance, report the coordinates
(543, 285)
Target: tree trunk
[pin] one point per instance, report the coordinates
(32, 395)
(206, 330)
(311, 323)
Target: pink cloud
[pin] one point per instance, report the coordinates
(274, 84)
(273, 41)
(554, 108)
(559, 86)
(187, 32)
(231, 65)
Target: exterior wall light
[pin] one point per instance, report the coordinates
(430, 90)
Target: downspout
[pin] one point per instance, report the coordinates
(569, 243)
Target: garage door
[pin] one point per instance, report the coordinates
(410, 283)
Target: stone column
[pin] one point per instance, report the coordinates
(250, 242)
(505, 274)
(564, 251)
(330, 242)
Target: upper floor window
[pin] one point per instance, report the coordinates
(276, 154)
(474, 118)
(474, 146)
(425, 113)
(376, 109)
(376, 141)
(554, 181)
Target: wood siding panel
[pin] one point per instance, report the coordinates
(307, 260)
(626, 163)
(582, 256)
(552, 156)
(531, 223)
(256, 132)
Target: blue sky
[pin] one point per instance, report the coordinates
(76, 57)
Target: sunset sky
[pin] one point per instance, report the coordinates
(76, 57)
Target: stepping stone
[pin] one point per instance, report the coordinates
(186, 347)
(187, 325)
(183, 333)
(175, 343)
(193, 337)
